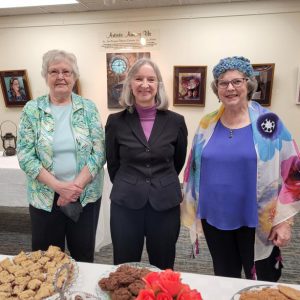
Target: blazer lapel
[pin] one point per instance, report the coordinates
(159, 124)
(136, 127)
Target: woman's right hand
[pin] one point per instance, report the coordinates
(69, 191)
(281, 234)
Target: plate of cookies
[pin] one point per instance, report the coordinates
(30, 275)
(262, 292)
(123, 281)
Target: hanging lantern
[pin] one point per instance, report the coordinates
(9, 140)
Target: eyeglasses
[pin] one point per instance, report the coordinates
(55, 73)
(236, 82)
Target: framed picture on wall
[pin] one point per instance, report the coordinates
(15, 87)
(264, 74)
(118, 65)
(298, 88)
(189, 85)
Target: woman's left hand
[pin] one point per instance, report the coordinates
(63, 201)
(281, 234)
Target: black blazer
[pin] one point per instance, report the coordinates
(142, 170)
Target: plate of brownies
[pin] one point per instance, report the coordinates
(30, 275)
(123, 282)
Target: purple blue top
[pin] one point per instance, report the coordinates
(228, 179)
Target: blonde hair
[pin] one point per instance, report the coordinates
(127, 98)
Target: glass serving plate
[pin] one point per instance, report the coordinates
(71, 281)
(104, 295)
(73, 264)
(76, 295)
(258, 287)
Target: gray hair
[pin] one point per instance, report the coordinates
(251, 86)
(127, 98)
(58, 56)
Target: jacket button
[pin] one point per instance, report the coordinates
(148, 180)
(147, 165)
(147, 150)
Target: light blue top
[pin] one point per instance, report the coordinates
(35, 147)
(64, 151)
(228, 179)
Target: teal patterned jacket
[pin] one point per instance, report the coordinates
(34, 148)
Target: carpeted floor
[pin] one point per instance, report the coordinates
(15, 236)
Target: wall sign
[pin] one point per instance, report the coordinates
(145, 38)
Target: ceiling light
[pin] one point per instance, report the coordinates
(22, 3)
(143, 41)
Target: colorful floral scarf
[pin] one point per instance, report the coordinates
(278, 174)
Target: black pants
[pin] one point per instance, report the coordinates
(53, 228)
(130, 227)
(232, 250)
(265, 268)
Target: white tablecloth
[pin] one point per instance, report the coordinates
(13, 194)
(210, 287)
(12, 182)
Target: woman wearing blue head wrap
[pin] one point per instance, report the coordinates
(241, 183)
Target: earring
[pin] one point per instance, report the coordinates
(130, 109)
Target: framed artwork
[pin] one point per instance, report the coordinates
(117, 65)
(298, 88)
(15, 87)
(264, 74)
(189, 85)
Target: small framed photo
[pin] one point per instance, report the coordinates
(15, 87)
(298, 88)
(264, 74)
(189, 85)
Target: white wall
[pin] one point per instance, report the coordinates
(265, 32)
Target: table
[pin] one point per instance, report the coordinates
(12, 182)
(13, 194)
(210, 287)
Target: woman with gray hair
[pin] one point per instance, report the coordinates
(145, 148)
(61, 150)
(241, 184)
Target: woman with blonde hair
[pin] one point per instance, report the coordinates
(145, 147)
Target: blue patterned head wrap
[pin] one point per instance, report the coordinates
(239, 63)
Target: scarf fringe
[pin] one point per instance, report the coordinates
(195, 248)
(278, 264)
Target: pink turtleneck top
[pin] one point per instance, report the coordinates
(147, 117)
